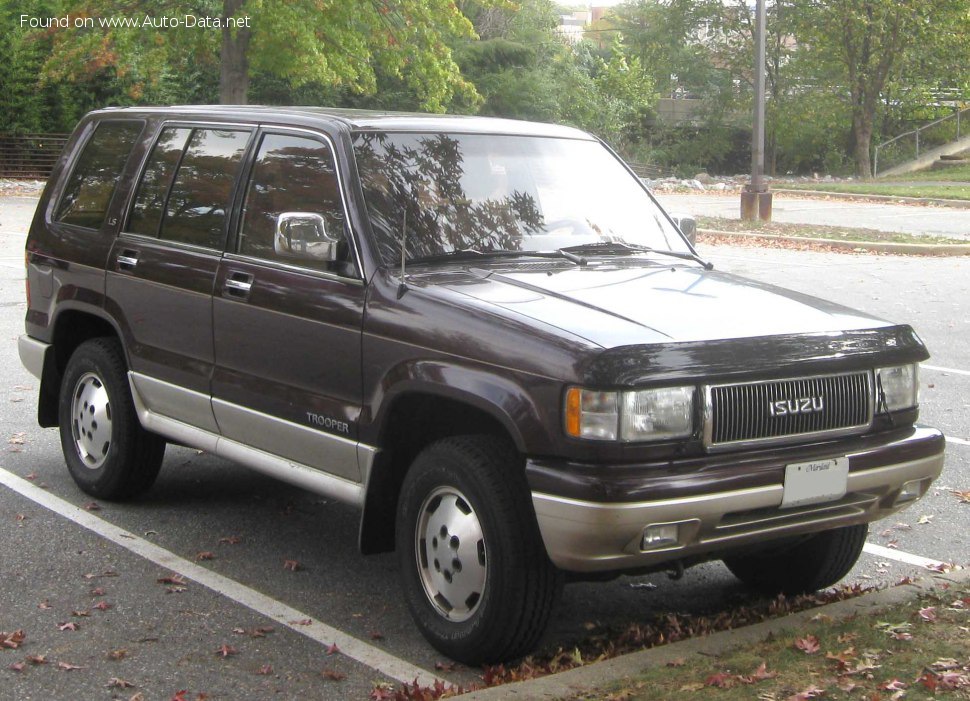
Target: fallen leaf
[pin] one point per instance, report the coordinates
(205, 555)
(925, 519)
(81, 614)
(375, 635)
(116, 683)
(230, 540)
(226, 650)
(175, 579)
(444, 666)
(103, 606)
(332, 649)
(291, 565)
(811, 692)
(67, 666)
(302, 622)
(928, 614)
(809, 644)
(963, 496)
(679, 662)
(893, 685)
(117, 655)
(70, 625)
(93, 506)
(333, 675)
(721, 680)
(97, 591)
(12, 641)
(37, 659)
(18, 666)
(17, 438)
(265, 670)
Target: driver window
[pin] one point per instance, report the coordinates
(294, 175)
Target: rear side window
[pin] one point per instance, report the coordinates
(198, 204)
(146, 215)
(96, 174)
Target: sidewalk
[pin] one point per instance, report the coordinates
(907, 219)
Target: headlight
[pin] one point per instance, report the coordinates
(897, 387)
(643, 415)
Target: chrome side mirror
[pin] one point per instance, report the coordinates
(687, 225)
(303, 236)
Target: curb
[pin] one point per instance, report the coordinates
(938, 202)
(911, 249)
(608, 672)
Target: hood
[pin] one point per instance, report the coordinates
(637, 302)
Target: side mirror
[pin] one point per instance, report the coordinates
(303, 236)
(687, 225)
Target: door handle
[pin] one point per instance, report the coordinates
(127, 260)
(239, 284)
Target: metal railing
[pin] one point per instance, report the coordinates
(29, 155)
(907, 147)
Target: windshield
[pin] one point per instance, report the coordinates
(442, 193)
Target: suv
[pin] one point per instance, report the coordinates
(486, 328)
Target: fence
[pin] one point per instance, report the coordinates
(29, 155)
(908, 146)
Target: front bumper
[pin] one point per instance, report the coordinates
(597, 536)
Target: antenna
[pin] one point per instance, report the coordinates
(403, 287)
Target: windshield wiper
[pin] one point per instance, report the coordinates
(627, 248)
(470, 253)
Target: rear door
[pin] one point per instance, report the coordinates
(163, 266)
(288, 322)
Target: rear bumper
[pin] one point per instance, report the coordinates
(594, 536)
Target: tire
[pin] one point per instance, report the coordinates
(476, 576)
(108, 453)
(810, 565)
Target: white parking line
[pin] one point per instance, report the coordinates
(284, 615)
(900, 556)
(958, 441)
(937, 368)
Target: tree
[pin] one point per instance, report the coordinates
(331, 42)
(865, 40)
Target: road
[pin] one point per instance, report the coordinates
(917, 220)
(61, 555)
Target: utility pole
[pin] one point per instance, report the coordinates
(755, 198)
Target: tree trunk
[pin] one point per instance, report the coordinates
(862, 131)
(233, 60)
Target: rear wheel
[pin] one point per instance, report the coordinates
(812, 564)
(108, 453)
(476, 576)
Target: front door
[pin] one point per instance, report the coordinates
(288, 309)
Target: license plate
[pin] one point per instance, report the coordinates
(815, 482)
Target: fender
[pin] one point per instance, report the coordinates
(503, 396)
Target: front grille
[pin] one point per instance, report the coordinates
(786, 410)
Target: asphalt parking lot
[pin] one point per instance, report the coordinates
(224, 583)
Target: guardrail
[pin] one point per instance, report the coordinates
(29, 155)
(907, 146)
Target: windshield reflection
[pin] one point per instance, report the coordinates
(442, 193)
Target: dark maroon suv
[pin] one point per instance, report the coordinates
(486, 328)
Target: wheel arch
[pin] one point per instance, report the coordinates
(71, 327)
(414, 417)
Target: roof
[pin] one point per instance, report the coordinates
(357, 120)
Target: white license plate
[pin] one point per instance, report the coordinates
(815, 482)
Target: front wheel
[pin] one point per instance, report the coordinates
(108, 453)
(812, 564)
(475, 573)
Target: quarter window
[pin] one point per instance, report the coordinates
(199, 198)
(293, 174)
(96, 174)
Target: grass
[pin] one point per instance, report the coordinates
(918, 648)
(837, 233)
(893, 189)
(955, 173)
